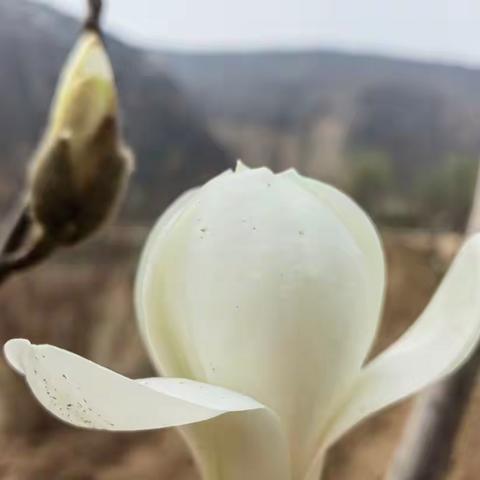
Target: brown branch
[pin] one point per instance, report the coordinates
(18, 231)
(92, 21)
(39, 249)
(426, 449)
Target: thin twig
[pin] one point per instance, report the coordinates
(18, 230)
(92, 21)
(40, 248)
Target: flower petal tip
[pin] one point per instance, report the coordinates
(240, 167)
(14, 351)
(91, 59)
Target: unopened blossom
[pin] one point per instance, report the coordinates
(258, 297)
(81, 167)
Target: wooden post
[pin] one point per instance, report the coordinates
(425, 450)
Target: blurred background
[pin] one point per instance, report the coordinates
(379, 98)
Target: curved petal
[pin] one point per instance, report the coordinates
(156, 237)
(360, 227)
(88, 395)
(439, 342)
(165, 221)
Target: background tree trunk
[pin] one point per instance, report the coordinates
(429, 438)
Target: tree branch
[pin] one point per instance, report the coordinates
(18, 231)
(40, 248)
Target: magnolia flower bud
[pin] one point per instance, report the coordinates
(81, 167)
(79, 171)
(259, 296)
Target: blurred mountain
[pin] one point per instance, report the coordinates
(318, 109)
(401, 136)
(174, 151)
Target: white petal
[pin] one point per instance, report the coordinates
(240, 167)
(85, 394)
(162, 226)
(361, 228)
(253, 289)
(439, 342)
(156, 237)
(250, 445)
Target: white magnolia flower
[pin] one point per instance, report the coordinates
(261, 295)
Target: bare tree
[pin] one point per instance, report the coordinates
(429, 438)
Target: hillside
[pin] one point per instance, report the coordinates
(319, 109)
(174, 150)
(402, 136)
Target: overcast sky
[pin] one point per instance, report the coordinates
(447, 30)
